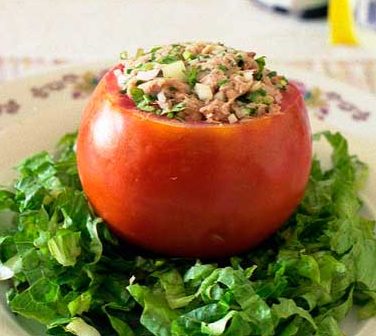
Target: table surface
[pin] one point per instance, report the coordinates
(37, 35)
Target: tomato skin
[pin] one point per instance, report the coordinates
(193, 190)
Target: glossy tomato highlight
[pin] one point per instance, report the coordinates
(192, 189)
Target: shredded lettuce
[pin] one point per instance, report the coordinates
(73, 276)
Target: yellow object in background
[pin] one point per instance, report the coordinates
(341, 21)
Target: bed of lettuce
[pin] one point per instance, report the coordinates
(71, 274)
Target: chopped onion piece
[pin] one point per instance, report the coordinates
(203, 91)
(248, 74)
(219, 48)
(122, 80)
(120, 77)
(118, 72)
(232, 118)
(162, 101)
(161, 97)
(240, 113)
(147, 75)
(165, 106)
(256, 86)
(174, 70)
(132, 279)
(220, 96)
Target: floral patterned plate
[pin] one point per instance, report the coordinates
(35, 112)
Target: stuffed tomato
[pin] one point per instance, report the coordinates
(194, 153)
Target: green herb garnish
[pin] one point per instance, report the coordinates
(239, 61)
(168, 59)
(137, 94)
(282, 84)
(187, 55)
(145, 66)
(256, 96)
(249, 111)
(222, 67)
(142, 100)
(171, 113)
(178, 107)
(223, 82)
(261, 62)
(154, 49)
(145, 104)
(192, 74)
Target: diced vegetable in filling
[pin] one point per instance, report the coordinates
(206, 82)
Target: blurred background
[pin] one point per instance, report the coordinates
(39, 35)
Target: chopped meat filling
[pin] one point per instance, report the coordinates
(201, 82)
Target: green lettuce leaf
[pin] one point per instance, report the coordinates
(72, 275)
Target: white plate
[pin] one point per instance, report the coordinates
(35, 112)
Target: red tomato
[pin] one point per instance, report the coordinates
(196, 190)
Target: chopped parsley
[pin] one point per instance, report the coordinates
(223, 82)
(145, 105)
(222, 67)
(257, 96)
(192, 74)
(239, 60)
(154, 49)
(171, 113)
(143, 100)
(261, 62)
(272, 74)
(178, 107)
(137, 94)
(249, 111)
(168, 59)
(145, 66)
(187, 55)
(282, 84)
